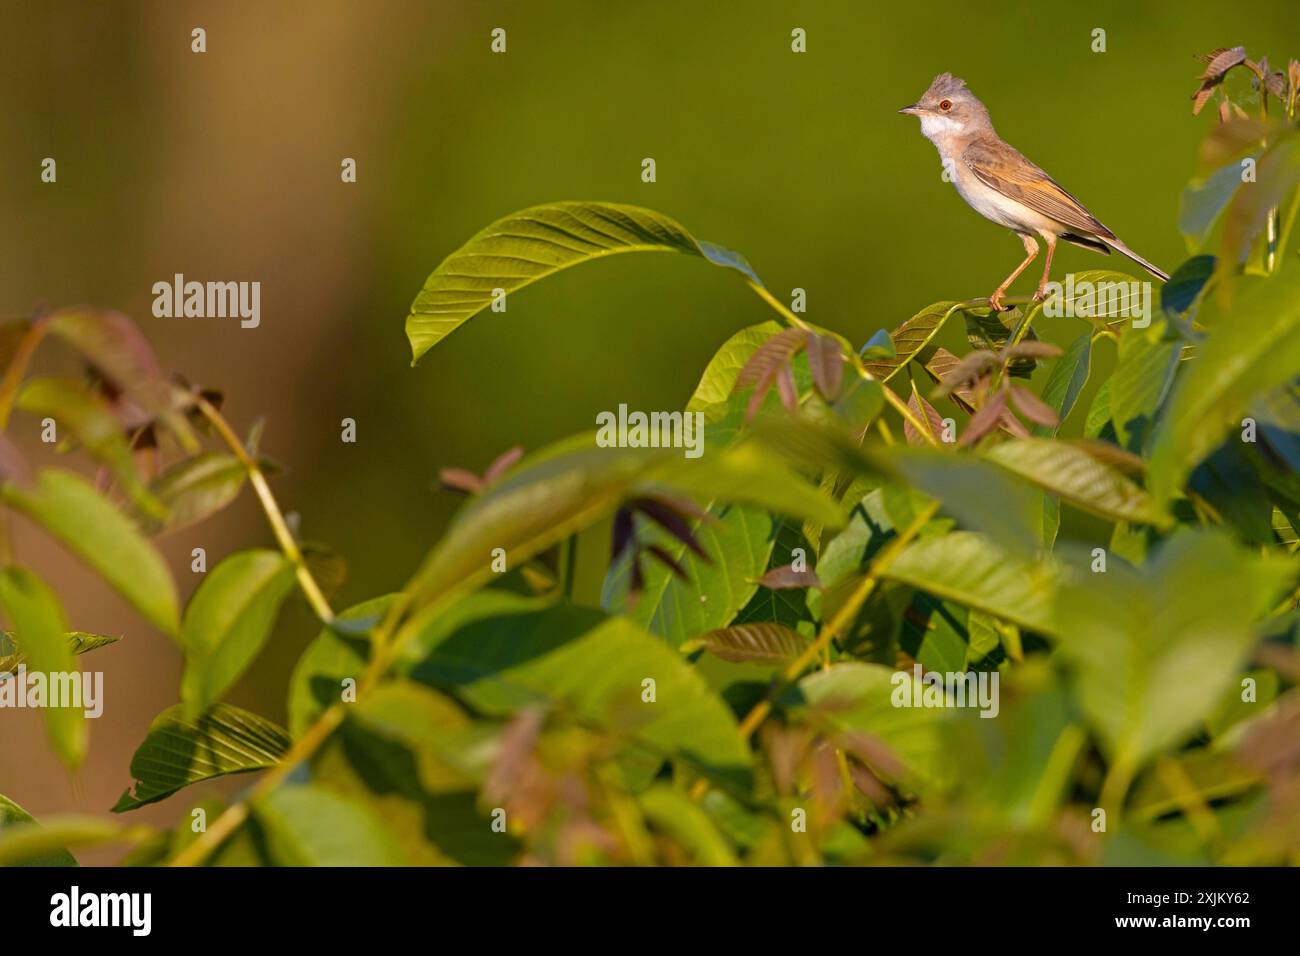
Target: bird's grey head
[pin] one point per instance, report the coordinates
(949, 109)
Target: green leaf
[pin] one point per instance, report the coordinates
(737, 540)
(713, 394)
(688, 823)
(539, 241)
(859, 698)
(751, 474)
(1098, 412)
(446, 744)
(103, 537)
(911, 338)
(340, 651)
(760, 642)
(1203, 201)
(228, 620)
(976, 493)
(979, 496)
(311, 826)
(1154, 649)
(500, 653)
(46, 843)
(545, 498)
(14, 816)
(195, 488)
(180, 750)
(1143, 375)
(969, 569)
(41, 632)
(1179, 294)
(1253, 346)
(75, 407)
(1069, 472)
(1066, 382)
(79, 642)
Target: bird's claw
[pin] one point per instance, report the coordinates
(1040, 295)
(995, 303)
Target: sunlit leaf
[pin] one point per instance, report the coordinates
(536, 242)
(103, 537)
(228, 620)
(41, 631)
(181, 750)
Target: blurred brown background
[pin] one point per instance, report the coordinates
(225, 166)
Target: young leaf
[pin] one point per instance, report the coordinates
(1066, 382)
(911, 338)
(116, 347)
(857, 700)
(536, 242)
(760, 643)
(180, 750)
(89, 420)
(103, 537)
(228, 620)
(928, 416)
(197, 487)
(712, 394)
(826, 361)
(1034, 408)
(41, 632)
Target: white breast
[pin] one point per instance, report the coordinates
(994, 206)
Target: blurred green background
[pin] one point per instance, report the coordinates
(225, 166)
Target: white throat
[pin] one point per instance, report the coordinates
(934, 127)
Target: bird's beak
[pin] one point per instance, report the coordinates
(913, 110)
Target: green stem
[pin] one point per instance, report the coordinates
(283, 536)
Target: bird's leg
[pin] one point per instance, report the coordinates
(1041, 293)
(1031, 252)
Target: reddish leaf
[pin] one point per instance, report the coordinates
(461, 479)
(662, 513)
(761, 643)
(986, 419)
(927, 412)
(502, 464)
(778, 579)
(1034, 408)
(771, 355)
(826, 361)
(1220, 61)
(789, 392)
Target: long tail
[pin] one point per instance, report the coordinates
(1125, 250)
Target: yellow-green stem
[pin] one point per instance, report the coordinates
(275, 518)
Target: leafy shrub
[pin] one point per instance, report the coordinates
(735, 697)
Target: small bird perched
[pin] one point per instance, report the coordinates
(1003, 186)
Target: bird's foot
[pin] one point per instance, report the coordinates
(995, 302)
(1040, 293)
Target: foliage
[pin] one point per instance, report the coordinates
(862, 521)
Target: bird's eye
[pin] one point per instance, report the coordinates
(946, 105)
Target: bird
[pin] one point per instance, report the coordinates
(1003, 186)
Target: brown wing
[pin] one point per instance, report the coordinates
(1003, 168)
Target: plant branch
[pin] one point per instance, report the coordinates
(771, 300)
(283, 536)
